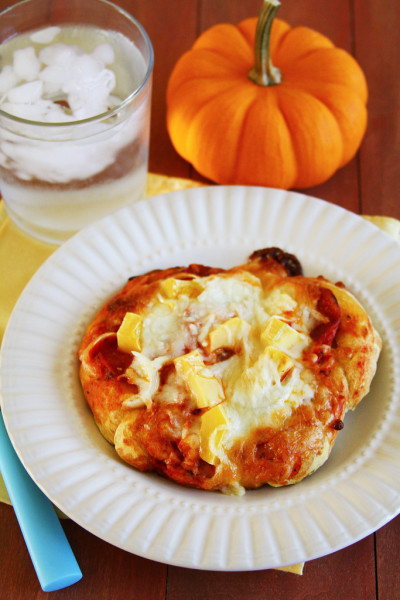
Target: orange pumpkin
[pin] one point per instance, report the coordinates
(288, 119)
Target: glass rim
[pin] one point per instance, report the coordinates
(108, 113)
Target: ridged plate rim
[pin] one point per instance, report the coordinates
(355, 493)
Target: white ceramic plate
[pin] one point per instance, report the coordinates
(352, 495)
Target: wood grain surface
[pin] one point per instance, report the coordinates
(369, 184)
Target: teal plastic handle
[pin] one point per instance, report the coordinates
(51, 554)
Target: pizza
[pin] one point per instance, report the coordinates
(228, 379)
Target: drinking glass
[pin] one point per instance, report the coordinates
(75, 99)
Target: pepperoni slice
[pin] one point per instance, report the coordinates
(328, 306)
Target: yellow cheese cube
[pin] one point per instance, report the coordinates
(172, 288)
(130, 332)
(279, 302)
(206, 389)
(213, 427)
(279, 333)
(229, 334)
(283, 362)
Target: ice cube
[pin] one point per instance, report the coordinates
(26, 64)
(76, 101)
(106, 80)
(8, 79)
(31, 112)
(53, 77)
(104, 53)
(85, 68)
(26, 93)
(51, 90)
(86, 112)
(45, 36)
(90, 97)
(59, 54)
(88, 102)
(84, 106)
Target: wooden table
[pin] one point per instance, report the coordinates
(370, 184)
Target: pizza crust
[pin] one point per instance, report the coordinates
(242, 378)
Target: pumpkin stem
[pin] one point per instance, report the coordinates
(264, 73)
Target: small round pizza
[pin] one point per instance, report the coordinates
(228, 379)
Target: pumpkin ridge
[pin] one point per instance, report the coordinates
(305, 83)
(229, 36)
(242, 33)
(180, 143)
(225, 63)
(265, 157)
(302, 56)
(336, 121)
(349, 71)
(197, 67)
(240, 136)
(206, 55)
(279, 45)
(200, 160)
(290, 50)
(296, 148)
(316, 93)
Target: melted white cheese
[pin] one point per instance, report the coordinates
(255, 396)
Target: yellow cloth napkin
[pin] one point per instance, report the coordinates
(21, 256)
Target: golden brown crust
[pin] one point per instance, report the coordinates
(357, 344)
(338, 364)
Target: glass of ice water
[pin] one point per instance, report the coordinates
(75, 96)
